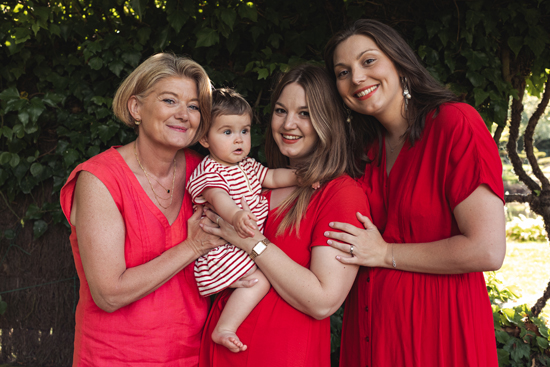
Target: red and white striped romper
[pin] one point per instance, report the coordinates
(222, 266)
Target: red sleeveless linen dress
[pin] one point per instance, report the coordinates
(399, 318)
(163, 328)
(278, 335)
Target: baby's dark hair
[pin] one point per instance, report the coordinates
(226, 101)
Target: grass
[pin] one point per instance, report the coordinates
(526, 271)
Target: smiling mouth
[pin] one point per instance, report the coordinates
(291, 137)
(178, 128)
(366, 91)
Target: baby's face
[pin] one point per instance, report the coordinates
(228, 139)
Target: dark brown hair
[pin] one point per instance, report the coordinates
(226, 101)
(427, 93)
(329, 159)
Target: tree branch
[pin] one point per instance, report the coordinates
(511, 147)
(528, 137)
(518, 198)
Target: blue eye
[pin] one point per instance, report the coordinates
(196, 108)
(227, 132)
(245, 131)
(169, 101)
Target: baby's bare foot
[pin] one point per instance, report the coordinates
(228, 339)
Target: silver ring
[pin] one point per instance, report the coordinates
(351, 250)
(218, 221)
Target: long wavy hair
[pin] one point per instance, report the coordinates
(427, 93)
(329, 159)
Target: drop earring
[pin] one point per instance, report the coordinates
(348, 113)
(406, 93)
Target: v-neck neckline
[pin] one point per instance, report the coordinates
(147, 200)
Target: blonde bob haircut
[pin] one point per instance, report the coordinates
(329, 159)
(157, 67)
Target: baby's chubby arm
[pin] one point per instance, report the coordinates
(280, 177)
(243, 220)
(277, 178)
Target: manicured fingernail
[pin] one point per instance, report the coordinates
(329, 242)
(326, 233)
(331, 224)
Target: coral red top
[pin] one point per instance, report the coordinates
(399, 318)
(163, 328)
(278, 335)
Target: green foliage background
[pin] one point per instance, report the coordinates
(61, 62)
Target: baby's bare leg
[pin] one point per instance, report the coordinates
(241, 302)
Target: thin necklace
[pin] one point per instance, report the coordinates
(397, 146)
(171, 192)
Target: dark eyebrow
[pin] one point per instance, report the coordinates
(359, 55)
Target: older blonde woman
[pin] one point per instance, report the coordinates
(133, 228)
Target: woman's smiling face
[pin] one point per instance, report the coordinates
(366, 78)
(291, 124)
(170, 113)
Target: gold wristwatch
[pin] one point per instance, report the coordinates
(259, 248)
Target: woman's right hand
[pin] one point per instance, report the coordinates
(199, 240)
(369, 248)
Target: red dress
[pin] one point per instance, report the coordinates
(399, 318)
(163, 328)
(277, 334)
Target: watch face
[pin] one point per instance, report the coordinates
(259, 248)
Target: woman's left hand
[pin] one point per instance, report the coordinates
(369, 248)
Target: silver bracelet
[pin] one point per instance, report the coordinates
(392, 258)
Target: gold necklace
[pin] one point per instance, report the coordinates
(171, 192)
(393, 148)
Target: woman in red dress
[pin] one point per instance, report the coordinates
(433, 183)
(291, 325)
(133, 232)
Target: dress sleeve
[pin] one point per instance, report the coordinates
(259, 169)
(473, 156)
(203, 178)
(339, 202)
(103, 166)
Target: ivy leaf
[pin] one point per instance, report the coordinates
(22, 35)
(476, 79)
(143, 35)
(263, 73)
(248, 10)
(35, 109)
(5, 158)
(232, 42)
(480, 95)
(207, 37)
(36, 169)
(23, 116)
(39, 228)
(542, 342)
(515, 44)
(14, 161)
(131, 58)
(95, 63)
(229, 16)
(7, 132)
(139, 7)
(33, 212)
(536, 45)
(10, 93)
(177, 19)
(70, 157)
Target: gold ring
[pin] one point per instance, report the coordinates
(351, 250)
(218, 221)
